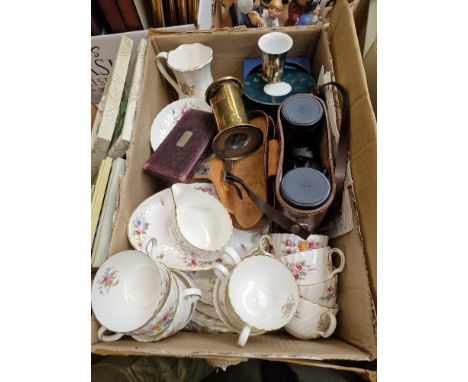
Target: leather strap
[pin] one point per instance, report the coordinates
(340, 172)
(274, 214)
(343, 143)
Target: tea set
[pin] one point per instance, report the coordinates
(191, 268)
(256, 284)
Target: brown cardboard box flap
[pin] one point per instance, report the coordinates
(349, 70)
(273, 345)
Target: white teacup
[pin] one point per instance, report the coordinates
(129, 273)
(288, 243)
(191, 66)
(261, 292)
(312, 321)
(227, 316)
(187, 304)
(184, 310)
(200, 223)
(156, 324)
(323, 293)
(314, 266)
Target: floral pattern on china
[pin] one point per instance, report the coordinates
(299, 246)
(140, 229)
(108, 280)
(288, 306)
(188, 90)
(330, 293)
(151, 218)
(299, 269)
(171, 114)
(165, 321)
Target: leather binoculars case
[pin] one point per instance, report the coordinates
(250, 188)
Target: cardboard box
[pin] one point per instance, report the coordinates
(337, 44)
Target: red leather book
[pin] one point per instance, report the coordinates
(130, 15)
(113, 16)
(180, 154)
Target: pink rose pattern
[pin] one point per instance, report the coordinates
(299, 269)
(191, 260)
(108, 280)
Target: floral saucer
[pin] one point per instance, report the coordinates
(170, 115)
(152, 219)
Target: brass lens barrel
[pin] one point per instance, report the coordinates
(236, 137)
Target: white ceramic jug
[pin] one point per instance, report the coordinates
(191, 66)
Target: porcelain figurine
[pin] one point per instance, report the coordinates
(269, 16)
(297, 8)
(249, 12)
(311, 14)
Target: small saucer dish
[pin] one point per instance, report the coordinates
(170, 115)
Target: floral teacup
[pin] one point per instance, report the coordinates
(289, 243)
(323, 293)
(156, 324)
(312, 321)
(228, 318)
(260, 292)
(314, 266)
(123, 274)
(188, 297)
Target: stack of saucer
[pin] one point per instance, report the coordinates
(311, 263)
(205, 318)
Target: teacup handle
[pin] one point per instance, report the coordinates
(231, 256)
(151, 248)
(221, 272)
(163, 56)
(195, 293)
(342, 260)
(261, 242)
(331, 328)
(244, 336)
(108, 338)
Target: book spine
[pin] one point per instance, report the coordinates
(104, 229)
(98, 193)
(144, 12)
(113, 16)
(181, 12)
(159, 19)
(130, 15)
